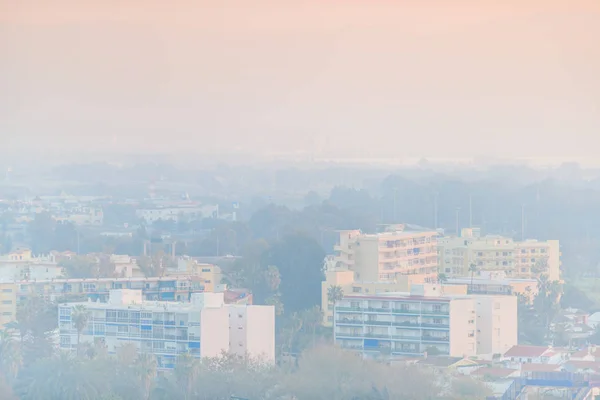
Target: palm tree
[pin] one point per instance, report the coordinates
(472, 269)
(145, 368)
(186, 371)
(80, 317)
(334, 294)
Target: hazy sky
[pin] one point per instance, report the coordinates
(354, 78)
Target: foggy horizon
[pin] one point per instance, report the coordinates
(336, 80)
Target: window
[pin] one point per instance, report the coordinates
(122, 329)
(6, 290)
(6, 301)
(7, 313)
(205, 269)
(356, 289)
(496, 306)
(330, 318)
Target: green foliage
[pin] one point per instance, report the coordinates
(299, 260)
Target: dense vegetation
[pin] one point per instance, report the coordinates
(322, 373)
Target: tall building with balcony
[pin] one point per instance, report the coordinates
(388, 255)
(168, 329)
(529, 259)
(425, 321)
(166, 288)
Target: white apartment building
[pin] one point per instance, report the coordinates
(526, 260)
(389, 255)
(497, 324)
(252, 331)
(151, 215)
(167, 329)
(22, 265)
(425, 321)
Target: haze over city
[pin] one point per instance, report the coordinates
(299, 200)
(336, 79)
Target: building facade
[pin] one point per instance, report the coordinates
(21, 264)
(424, 321)
(460, 256)
(252, 331)
(167, 329)
(387, 256)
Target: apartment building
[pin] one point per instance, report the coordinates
(528, 259)
(252, 331)
(425, 321)
(496, 283)
(389, 255)
(175, 213)
(497, 324)
(167, 288)
(8, 302)
(21, 264)
(345, 281)
(167, 329)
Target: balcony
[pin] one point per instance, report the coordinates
(435, 339)
(377, 310)
(349, 309)
(378, 335)
(409, 338)
(348, 321)
(381, 323)
(359, 335)
(406, 311)
(435, 312)
(434, 326)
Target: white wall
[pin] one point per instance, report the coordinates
(462, 311)
(252, 331)
(214, 331)
(261, 332)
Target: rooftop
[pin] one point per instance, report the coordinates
(526, 351)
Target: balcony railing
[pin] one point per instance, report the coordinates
(349, 309)
(435, 312)
(407, 337)
(440, 339)
(405, 311)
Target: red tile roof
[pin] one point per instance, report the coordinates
(526, 351)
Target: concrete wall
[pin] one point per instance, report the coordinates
(214, 331)
(462, 325)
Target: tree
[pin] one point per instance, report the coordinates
(311, 320)
(472, 270)
(10, 357)
(60, 377)
(465, 388)
(80, 317)
(335, 293)
(186, 373)
(145, 369)
(299, 259)
(80, 267)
